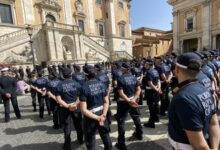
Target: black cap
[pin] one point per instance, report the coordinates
(126, 65)
(174, 54)
(189, 61)
(149, 61)
(158, 57)
(98, 66)
(67, 72)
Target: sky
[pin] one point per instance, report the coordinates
(155, 14)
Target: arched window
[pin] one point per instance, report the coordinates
(50, 18)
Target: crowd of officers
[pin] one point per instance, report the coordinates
(82, 94)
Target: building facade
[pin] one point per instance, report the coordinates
(151, 42)
(196, 24)
(70, 30)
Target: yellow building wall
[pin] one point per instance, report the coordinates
(215, 7)
(99, 14)
(121, 15)
(37, 13)
(199, 18)
(181, 22)
(18, 13)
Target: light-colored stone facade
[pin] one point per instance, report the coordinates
(151, 42)
(196, 24)
(71, 30)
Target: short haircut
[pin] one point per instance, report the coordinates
(189, 73)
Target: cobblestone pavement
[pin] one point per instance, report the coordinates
(33, 133)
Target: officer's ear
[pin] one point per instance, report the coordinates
(176, 70)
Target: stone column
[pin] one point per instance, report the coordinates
(175, 31)
(28, 11)
(111, 12)
(91, 16)
(206, 18)
(129, 9)
(214, 41)
(181, 47)
(68, 12)
(51, 41)
(199, 44)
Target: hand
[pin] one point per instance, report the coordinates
(8, 95)
(133, 103)
(72, 107)
(102, 120)
(159, 91)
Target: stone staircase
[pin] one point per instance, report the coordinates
(14, 39)
(117, 55)
(96, 46)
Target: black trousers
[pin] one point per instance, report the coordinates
(116, 95)
(164, 98)
(152, 101)
(41, 101)
(123, 108)
(77, 121)
(55, 108)
(34, 99)
(14, 102)
(90, 128)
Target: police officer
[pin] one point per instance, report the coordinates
(129, 91)
(94, 106)
(67, 95)
(78, 75)
(33, 89)
(51, 90)
(8, 92)
(152, 92)
(165, 77)
(116, 73)
(138, 73)
(193, 122)
(41, 84)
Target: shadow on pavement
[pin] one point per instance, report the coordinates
(49, 129)
(149, 145)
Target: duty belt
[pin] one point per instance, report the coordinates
(179, 146)
(130, 98)
(96, 109)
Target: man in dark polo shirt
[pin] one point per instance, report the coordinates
(67, 95)
(193, 123)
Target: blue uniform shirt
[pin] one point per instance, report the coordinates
(128, 84)
(116, 74)
(93, 93)
(52, 85)
(137, 72)
(191, 109)
(104, 79)
(204, 80)
(152, 75)
(208, 71)
(69, 90)
(41, 82)
(79, 77)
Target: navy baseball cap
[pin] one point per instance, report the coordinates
(173, 54)
(98, 66)
(189, 61)
(149, 61)
(67, 71)
(126, 65)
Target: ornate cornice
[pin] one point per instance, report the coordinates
(49, 4)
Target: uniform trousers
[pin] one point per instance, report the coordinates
(41, 100)
(77, 121)
(153, 98)
(123, 108)
(55, 108)
(90, 128)
(33, 96)
(164, 97)
(14, 102)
